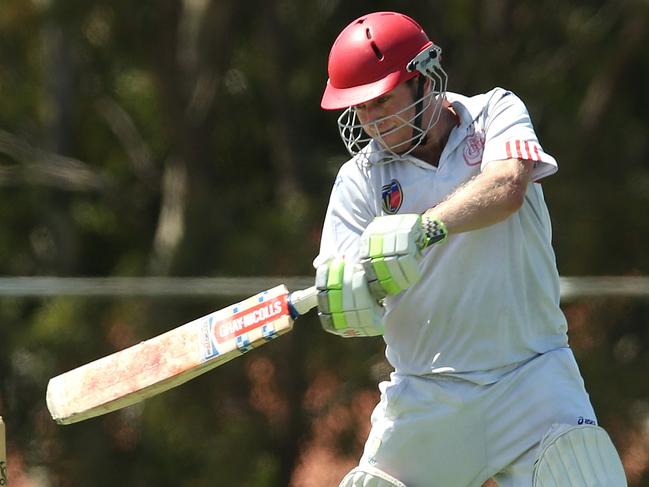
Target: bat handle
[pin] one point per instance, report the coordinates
(301, 302)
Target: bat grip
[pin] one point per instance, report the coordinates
(302, 301)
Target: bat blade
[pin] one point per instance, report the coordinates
(163, 362)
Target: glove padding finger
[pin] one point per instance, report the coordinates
(345, 305)
(390, 250)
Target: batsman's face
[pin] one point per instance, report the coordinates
(389, 118)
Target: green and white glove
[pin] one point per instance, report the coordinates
(390, 250)
(345, 305)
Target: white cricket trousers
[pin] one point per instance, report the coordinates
(448, 432)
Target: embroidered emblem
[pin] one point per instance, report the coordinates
(474, 147)
(392, 197)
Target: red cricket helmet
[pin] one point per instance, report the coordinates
(370, 58)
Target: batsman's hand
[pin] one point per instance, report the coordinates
(390, 250)
(345, 305)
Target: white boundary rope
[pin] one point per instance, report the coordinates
(571, 287)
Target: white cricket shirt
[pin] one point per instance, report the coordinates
(488, 299)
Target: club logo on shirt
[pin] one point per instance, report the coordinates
(392, 197)
(474, 147)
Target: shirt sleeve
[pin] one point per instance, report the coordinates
(509, 134)
(348, 214)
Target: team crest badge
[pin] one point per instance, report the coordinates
(392, 197)
(474, 147)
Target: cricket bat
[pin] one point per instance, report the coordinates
(168, 360)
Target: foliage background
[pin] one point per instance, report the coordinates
(184, 138)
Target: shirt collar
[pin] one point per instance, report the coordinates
(468, 109)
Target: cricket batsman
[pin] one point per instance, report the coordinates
(437, 237)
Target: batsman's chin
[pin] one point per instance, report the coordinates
(395, 145)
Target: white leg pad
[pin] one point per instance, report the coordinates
(368, 476)
(578, 456)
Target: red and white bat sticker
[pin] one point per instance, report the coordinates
(226, 325)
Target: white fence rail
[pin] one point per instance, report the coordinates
(571, 287)
(145, 286)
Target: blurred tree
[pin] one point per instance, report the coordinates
(184, 137)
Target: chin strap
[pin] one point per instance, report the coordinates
(420, 138)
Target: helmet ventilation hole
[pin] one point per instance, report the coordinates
(377, 51)
(375, 48)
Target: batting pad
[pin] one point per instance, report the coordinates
(368, 476)
(578, 456)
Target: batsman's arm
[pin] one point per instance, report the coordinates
(390, 247)
(490, 197)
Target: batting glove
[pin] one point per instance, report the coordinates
(345, 305)
(390, 250)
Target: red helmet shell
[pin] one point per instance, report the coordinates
(370, 56)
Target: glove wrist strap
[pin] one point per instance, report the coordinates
(434, 230)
